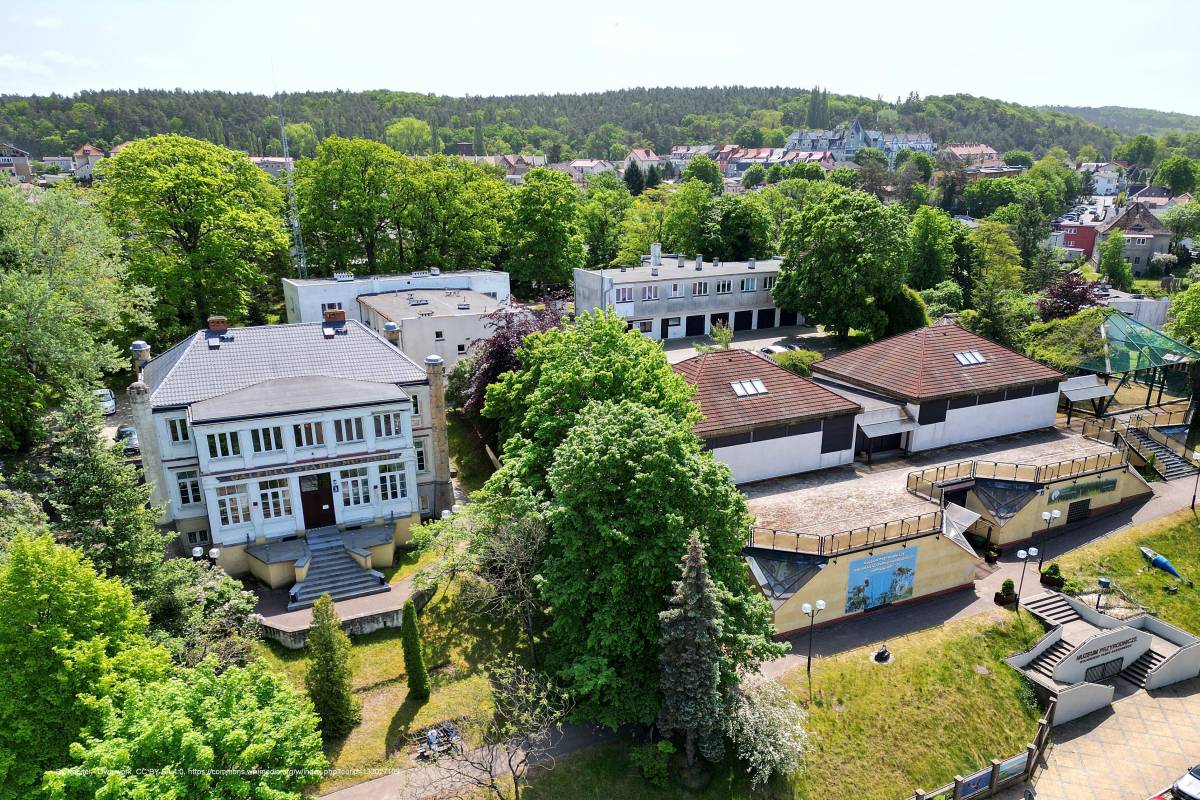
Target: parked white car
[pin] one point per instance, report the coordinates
(1188, 787)
(106, 400)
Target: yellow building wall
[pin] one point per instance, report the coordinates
(941, 565)
(1028, 523)
(404, 528)
(382, 555)
(233, 560)
(276, 576)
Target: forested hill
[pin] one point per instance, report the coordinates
(1133, 121)
(603, 124)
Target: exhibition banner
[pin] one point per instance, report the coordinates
(881, 580)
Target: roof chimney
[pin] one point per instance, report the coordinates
(218, 324)
(656, 254)
(391, 332)
(141, 354)
(335, 315)
(750, 264)
(699, 261)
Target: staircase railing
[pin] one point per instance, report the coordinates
(1118, 433)
(929, 483)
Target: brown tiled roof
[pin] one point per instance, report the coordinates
(921, 365)
(789, 398)
(1136, 214)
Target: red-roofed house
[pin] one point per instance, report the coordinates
(956, 385)
(86, 158)
(970, 153)
(764, 421)
(644, 157)
(15, 162)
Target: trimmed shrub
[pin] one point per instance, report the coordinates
(414, 654)
(797, 361)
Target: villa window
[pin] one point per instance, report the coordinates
(309, 434)
(624, 294)
(267, 440)
(224, 445)
(233, 505)
(416, 404)
(348, 430)
(275, 498)
(188, 481)
(387, 425)
(356, 487)
(330, 307)
(650, 293)
(393, 483)
(769, 282)
(419, 446)
(178, 428)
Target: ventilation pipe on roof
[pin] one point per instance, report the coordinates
(750, 264)
(699, 261)
(141, 354)
(391, 332)
(656, 254)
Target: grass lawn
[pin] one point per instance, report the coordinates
(457, 645)
(467, 453)
(1176, 536)
(946, 705)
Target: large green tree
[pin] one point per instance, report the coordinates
(409, 135)
(600, 219)
(68, 638)
(931, 248)
(202, 226)
(1000, 310)
(1177, 173)
(1113, 264)
(240, 733)
(744, 227)
(704, 169)
(329, 680)
(844, 255)
(644, 223)
(542, 234)
(690, 226)
(629, 485)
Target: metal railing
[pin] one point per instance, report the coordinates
(1117, 432)
(930, 483)
(839, 542)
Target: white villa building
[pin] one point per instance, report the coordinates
(274, 444)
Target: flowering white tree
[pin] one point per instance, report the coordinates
(766, 727)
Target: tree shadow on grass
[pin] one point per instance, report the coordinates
(459, 640)
(399, 734)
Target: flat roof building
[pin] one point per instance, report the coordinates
(442, 321)
(307, 299)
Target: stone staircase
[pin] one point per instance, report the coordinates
(1045, 663)
(334, 571)
(1136, 672)
(1052, 608)
(1167, 462)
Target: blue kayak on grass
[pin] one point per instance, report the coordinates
(1160, 561)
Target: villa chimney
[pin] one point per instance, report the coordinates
(391, 332)
(218, 324)
(699, 261)
(656, 254)
(141, 354)
(443, 492)
(335, 315)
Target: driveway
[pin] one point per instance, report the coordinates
(1136, 747)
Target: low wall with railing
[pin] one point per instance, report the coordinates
(839, 542)
(1115, 431)
(927, 483)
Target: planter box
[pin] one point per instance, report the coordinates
(1053, 582)
(991, 558)
(1004, 599)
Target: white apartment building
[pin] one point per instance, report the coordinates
(254, 439)
(671, 296)
(307, 299)
(442, 321)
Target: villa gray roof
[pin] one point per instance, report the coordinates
(192, 371)
(294, 396)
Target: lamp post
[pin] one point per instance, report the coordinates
(811, 612)
(1195, 457)
(1024, 555)
(1105, 583)
(1048, 517)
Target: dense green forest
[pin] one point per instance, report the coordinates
(1132, 121)
(603, 124)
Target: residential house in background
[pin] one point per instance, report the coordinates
(681, 154)
(1153, 197)
(86, 158)
(514, 166)
(1079, 236)
(307, 299)
(423, 321)
(672, 296)
(274, 166)
(65, 164)
(581, 168)
(764, 421)
(992, 170)
(1107, 177)
(1145, 236)
(293, 448)
(645, 158)
(970, 153)
(845, 141)
(14, 162)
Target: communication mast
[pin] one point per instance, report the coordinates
(293, 208)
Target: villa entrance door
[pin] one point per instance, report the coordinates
(316, 498)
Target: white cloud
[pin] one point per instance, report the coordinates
(68, 59)
(48, 22)
(15, 64)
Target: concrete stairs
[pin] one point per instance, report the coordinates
(334, 571)
(1045, 663)
(1052, 608)
(1167, 463)
(1136, 672)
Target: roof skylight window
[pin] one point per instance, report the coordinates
(748, 388)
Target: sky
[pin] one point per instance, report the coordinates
(1086, 53)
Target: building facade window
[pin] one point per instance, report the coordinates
(348, 430)
(649, 293)
(416, 404)
(768, 282)
(419, 446)
(387, 425)
(275, 498)
(178, 429)
(393, 484)
(725, 287)
(309, 434)
(197, 537)
(700, 289)
(439, 336)
(749, 284)
(233, 505)
(624, 294)
(356, 487)
(224, 445)
(676, 290)
(462, 348)
(188, 481)
(267, 440)
(645, 325)
(330, 307)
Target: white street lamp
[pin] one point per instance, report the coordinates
(1024, 555)
(809, 611)
(1048, 517)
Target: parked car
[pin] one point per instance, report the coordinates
(1188, 787)
(124, 432)
(132, 446)
(107, 401)
(773, 349)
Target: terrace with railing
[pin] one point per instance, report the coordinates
(846, 541)
(1143, 434)
(929, 483)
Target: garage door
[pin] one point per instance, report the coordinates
(743, 320)
(719, 319)
(766, 318)
(695, 325)
(787, 317)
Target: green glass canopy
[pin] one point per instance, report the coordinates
(1130, 346)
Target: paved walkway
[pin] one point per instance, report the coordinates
(1138, 746)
